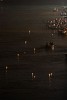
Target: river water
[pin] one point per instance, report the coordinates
(25, 73)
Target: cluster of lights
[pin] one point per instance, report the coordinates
(33, 76)
(50, 75)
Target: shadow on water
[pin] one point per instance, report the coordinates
(45, 48)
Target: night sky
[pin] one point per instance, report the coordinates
(35, 2)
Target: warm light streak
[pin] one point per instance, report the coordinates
(25, 42)
(6, 67)
(34, 50)
(32, 75)
(49, 75)
(29, 32)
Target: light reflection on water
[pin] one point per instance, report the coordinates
(34, 77)
(28, 69)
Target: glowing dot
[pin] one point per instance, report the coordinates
(34, 77)
(34, 50)
(52, 34)
(18, 54)
(49, 75)
(6, 67)
(29, 32)
(25, 42)
(52, 47)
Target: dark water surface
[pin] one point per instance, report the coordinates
(23, 73)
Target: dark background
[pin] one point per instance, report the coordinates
(35, 2)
